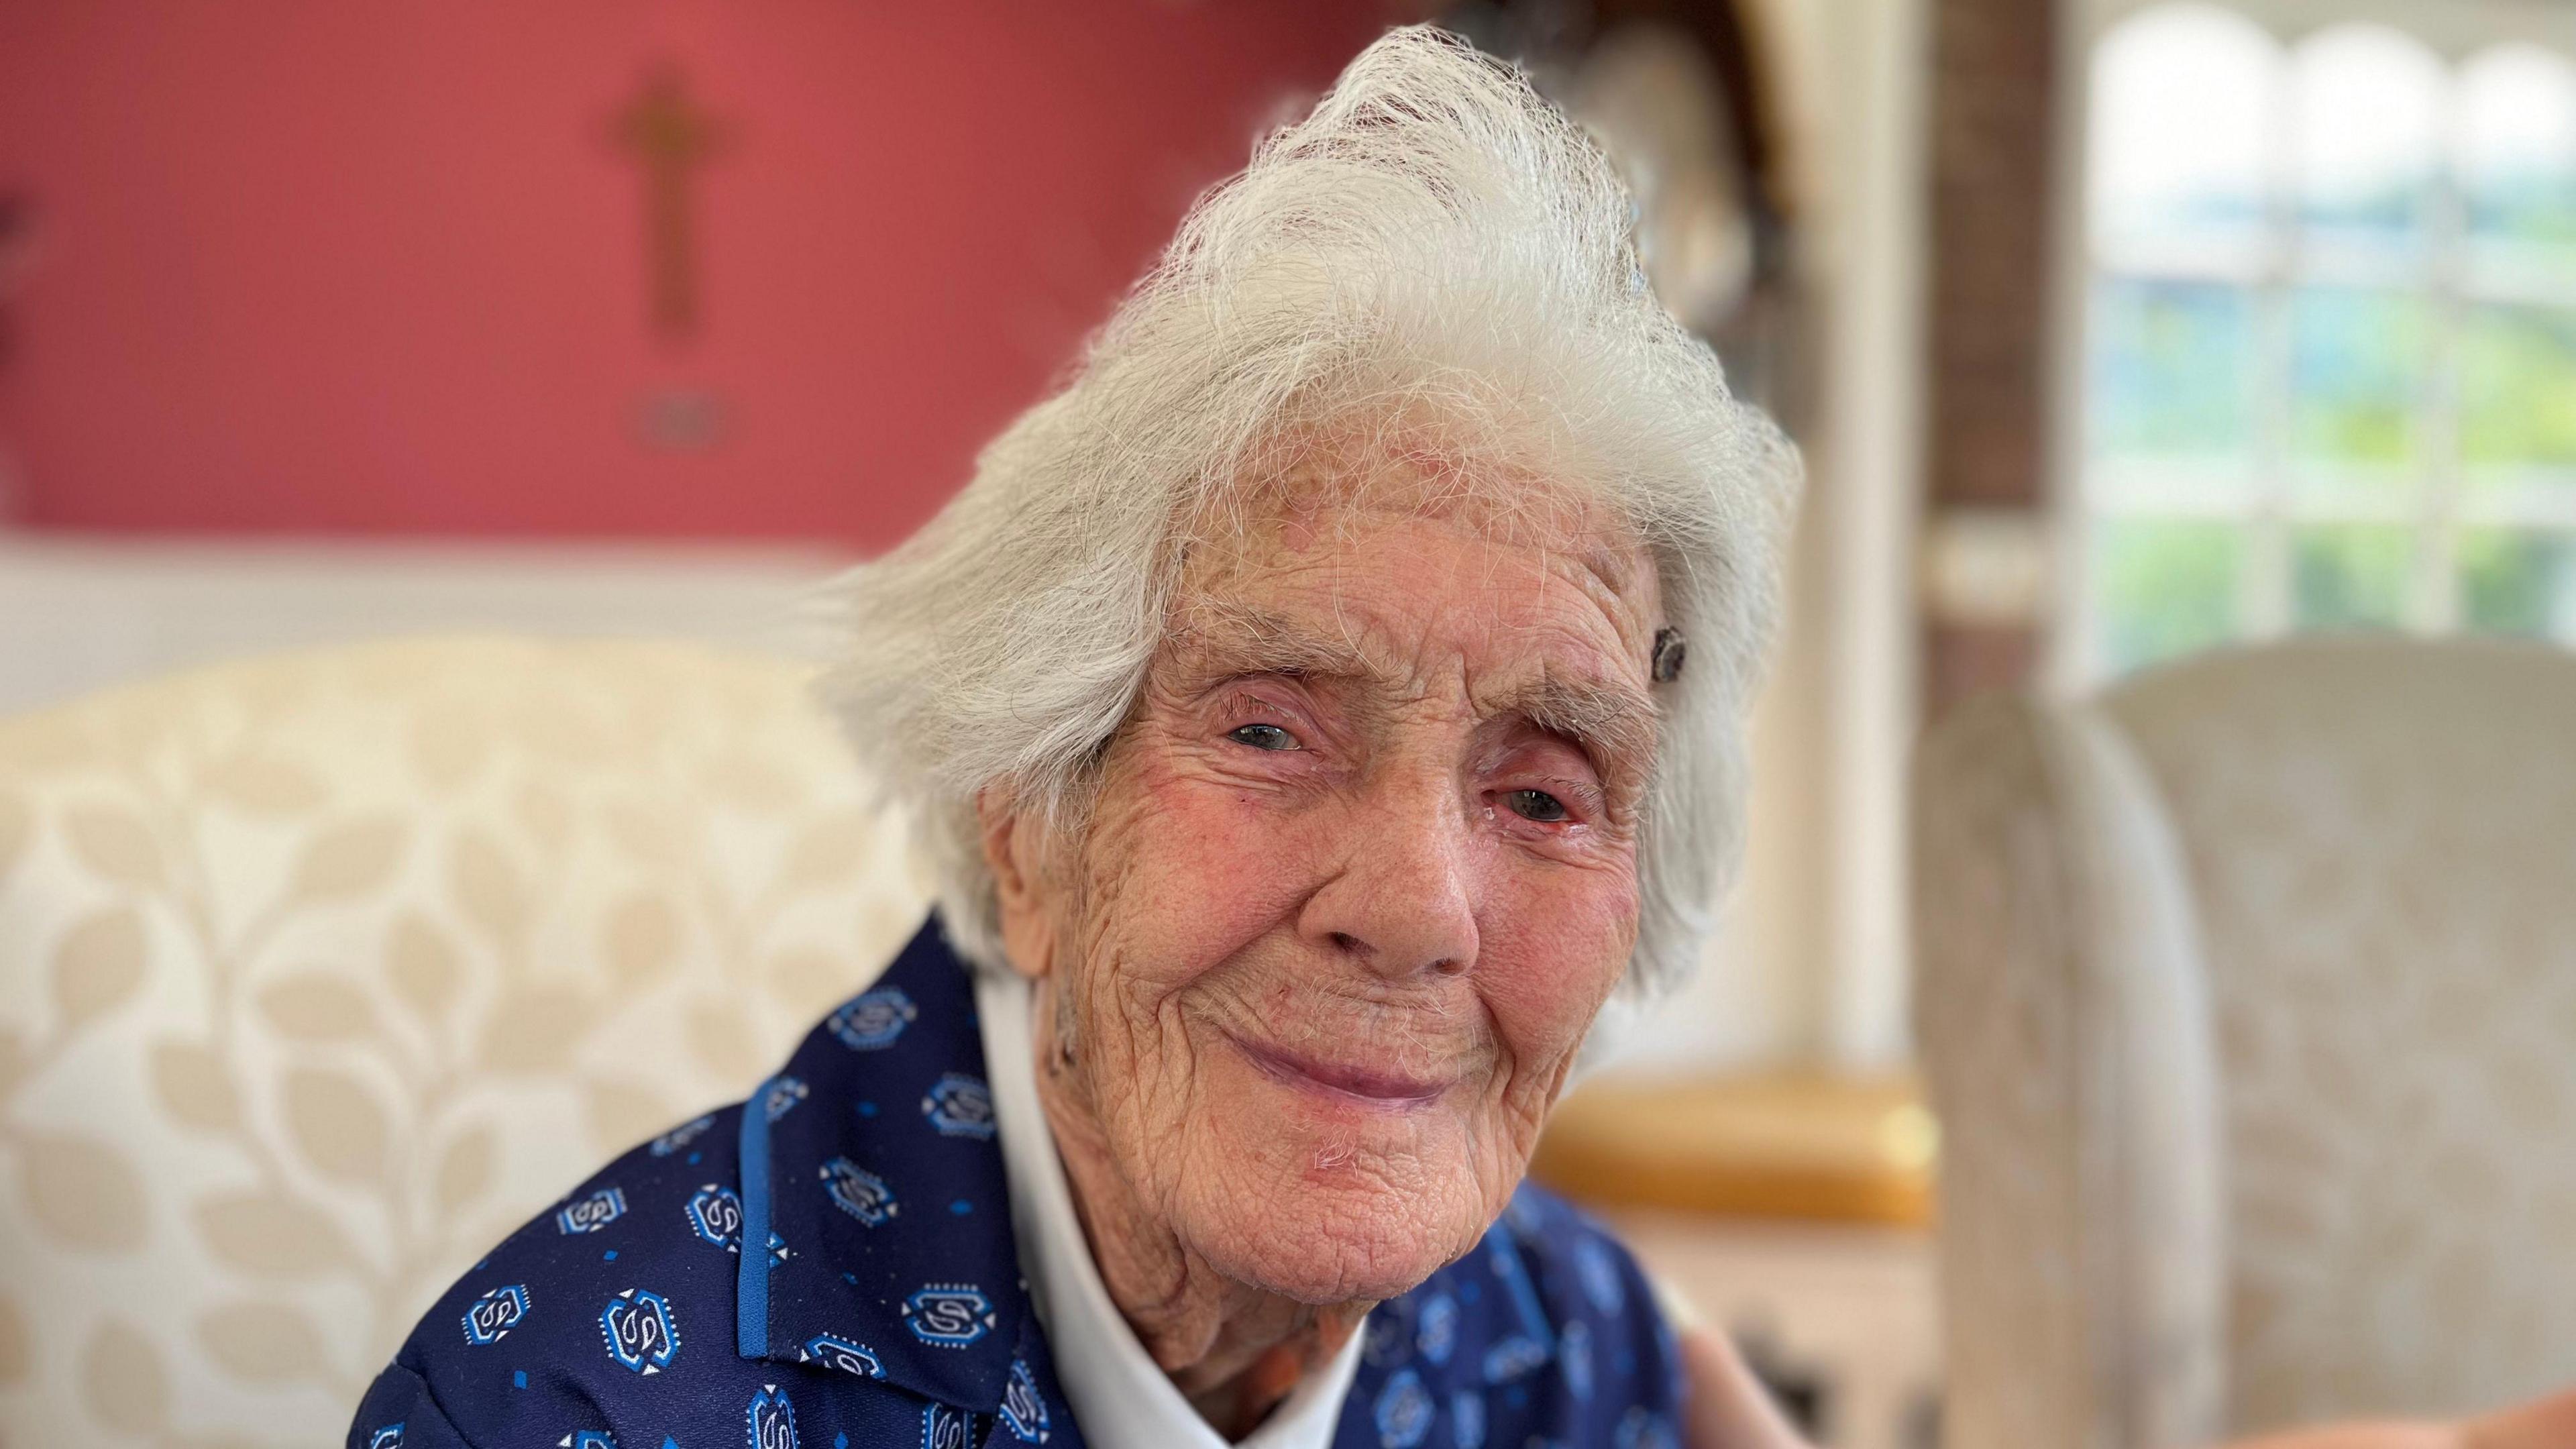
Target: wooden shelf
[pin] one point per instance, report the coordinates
(1809, 1146)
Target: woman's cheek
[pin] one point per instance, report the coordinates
(1213, 869)
(1554, 959)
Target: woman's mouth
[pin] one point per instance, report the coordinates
(1343, 1080)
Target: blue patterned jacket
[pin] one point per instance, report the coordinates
(832, 1264)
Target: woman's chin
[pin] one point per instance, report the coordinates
(1326, 1266)
(1324, 1230)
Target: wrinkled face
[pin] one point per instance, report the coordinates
(1361, 868)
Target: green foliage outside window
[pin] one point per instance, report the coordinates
(2164, 587)
(2516, 582)
(2355, 357)
(2347, 576)
(2518, 386)
(2173, 368)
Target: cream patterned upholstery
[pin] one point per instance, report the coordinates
(2247, 994)
(319, 973)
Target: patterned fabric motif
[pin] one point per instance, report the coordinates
(910, 1323)
(1510, 1346)
(318, 972)
(2245, 996)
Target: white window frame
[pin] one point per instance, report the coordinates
(2454, 30)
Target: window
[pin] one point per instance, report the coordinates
(2329, 333)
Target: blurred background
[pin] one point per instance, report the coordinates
(2115, 332)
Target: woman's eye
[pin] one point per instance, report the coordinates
(1537, 805)
(1262, 737)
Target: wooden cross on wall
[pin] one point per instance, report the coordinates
(671, 138)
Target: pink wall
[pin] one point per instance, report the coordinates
(318, 266)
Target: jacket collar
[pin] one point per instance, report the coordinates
(871, 1174)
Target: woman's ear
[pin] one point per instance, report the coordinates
(1012, 844)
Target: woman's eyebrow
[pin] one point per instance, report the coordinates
(1614, 725)
(1226, 640)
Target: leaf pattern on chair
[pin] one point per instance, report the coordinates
(810, 980)
(263, 1343)
(325, 970)
(271, 1235)
(545, 813)
(465, 1168)
(642, 941)
(422, 964)
(448, 747)
(622, 1114)
(189, 1081)
(722, 1040)
(98, 965)
(352, 859)
(832, 850)
(124, 1380)
(535, 1028)
(115, 843)
(487, 889)
(84, 1192)
(650, 831)
(335, 1123)
(266, 786)
(317, 1004)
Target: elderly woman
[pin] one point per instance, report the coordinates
(1313, 716)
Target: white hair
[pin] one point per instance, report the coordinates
(1437, 250)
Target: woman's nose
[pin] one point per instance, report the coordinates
(1404, 901)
